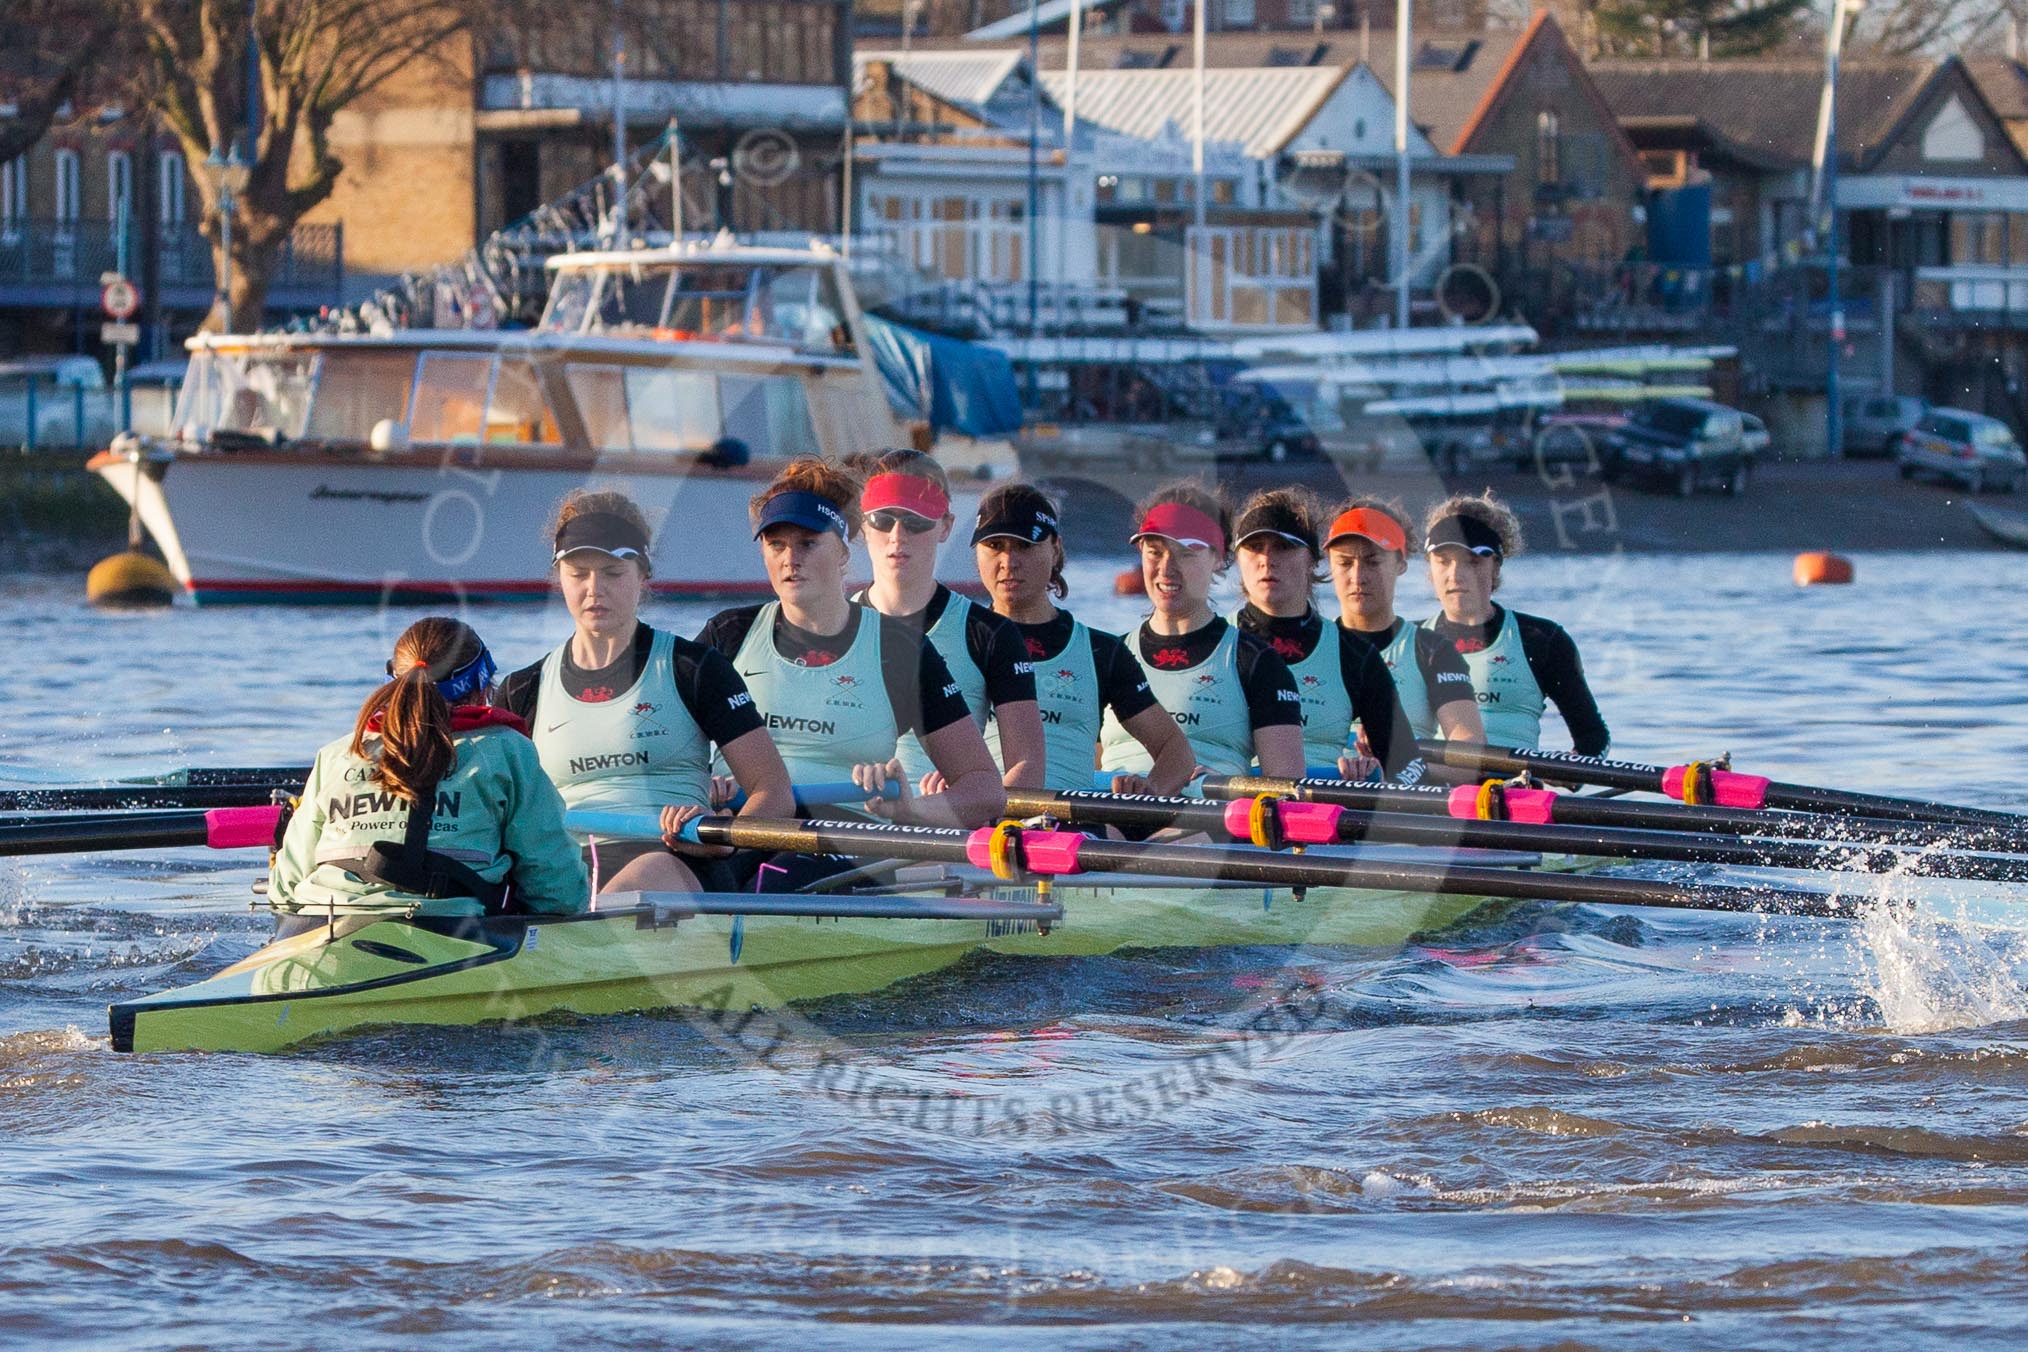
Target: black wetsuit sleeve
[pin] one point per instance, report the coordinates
(726, 630)
(1002, 654)
(919, 685)
(1123, 685)
(1375, 702)
(1271, 699)
(1552, 656)
(713, 692)
(1444, 673)
(519, 691)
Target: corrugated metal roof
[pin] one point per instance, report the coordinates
(1260, 109)
(968, 79)
(1050, 12)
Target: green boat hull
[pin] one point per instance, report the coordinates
(364, 972)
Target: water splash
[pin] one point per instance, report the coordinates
(1932, 968)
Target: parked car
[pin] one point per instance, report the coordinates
(1755, 436)
(1875, 423)
(1683, 444)
(1261, 426)
(72, 405)
(1571, 439)
(1959, 446)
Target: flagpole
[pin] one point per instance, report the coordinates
(1070, 82)
(1402, 17)
(1197, 107)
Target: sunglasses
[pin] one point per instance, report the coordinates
(908, 521)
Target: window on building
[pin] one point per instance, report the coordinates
(1303, 12)
(169, 187)
(1548, 147)
(69, 187)
(119, 185)
(13, 194)
(1237, 14)
(1175, 13)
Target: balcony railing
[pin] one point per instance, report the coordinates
(47, 262)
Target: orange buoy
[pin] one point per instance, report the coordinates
(1130, 583)
(1819, 568)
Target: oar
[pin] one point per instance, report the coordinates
(1274, 822)
(231, 828)
(1012, 852)
(115, 796)
(1506, 802)
(1702, 782)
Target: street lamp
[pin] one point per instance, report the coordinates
(228, 175)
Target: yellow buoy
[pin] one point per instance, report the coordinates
(1819, 568)
(130, 581)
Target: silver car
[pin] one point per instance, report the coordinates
(1957, 445)
(1874, 424)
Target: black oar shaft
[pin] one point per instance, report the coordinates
(1577, 810)
(114, 797)
(1397, 828)
(1248, 865)
(1492, 760)
(91, 833)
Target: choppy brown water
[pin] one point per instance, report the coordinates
(1549, 1127)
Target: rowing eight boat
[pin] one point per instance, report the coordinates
(725, 951)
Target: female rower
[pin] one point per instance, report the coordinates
(625, 715)
(1340, 676)
(435, 804)
(1367, 549)
(1519, 663)
(905, 509)
(1233, 698)
(1080, 674)
(838, 683)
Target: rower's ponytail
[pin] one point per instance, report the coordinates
(410, 714)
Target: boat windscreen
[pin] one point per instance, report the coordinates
(264, 393)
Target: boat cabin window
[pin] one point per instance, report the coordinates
(703, 301)
(632, 299)
(358, 388)
(644, 408)
(673, 410)
(259, 393)
(519, 412)
(450, 397)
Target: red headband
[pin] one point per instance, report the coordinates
(1183, 524)
(1376, 526)
(905, 493)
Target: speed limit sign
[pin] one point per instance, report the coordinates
(120, 298)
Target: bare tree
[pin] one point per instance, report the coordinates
(315, 58)
(46, 49)
(1936, 27)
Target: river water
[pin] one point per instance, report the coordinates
(1547, 1127)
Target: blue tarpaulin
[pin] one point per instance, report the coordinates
(966, 388)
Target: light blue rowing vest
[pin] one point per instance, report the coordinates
(824, 720)
(1208, 705)
(1510, 700)
(637, 751)
(1068, 697)
(947, 636)
(1327, 709)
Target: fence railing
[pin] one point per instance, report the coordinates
(49, 254)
